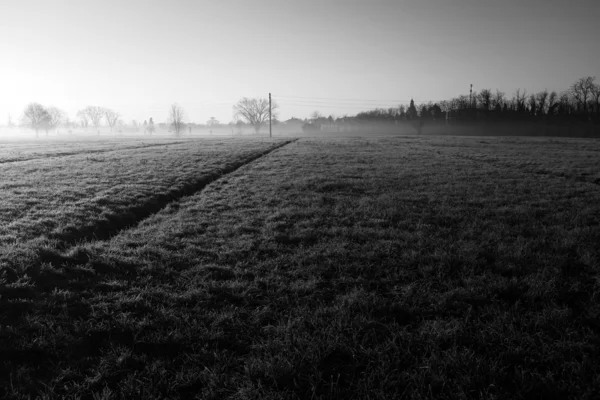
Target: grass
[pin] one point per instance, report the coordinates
(56, 202)
(330, 268)
(573, 159)
(12, 150)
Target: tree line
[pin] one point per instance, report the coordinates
(40, 118)
(254, 112)
(580, 103)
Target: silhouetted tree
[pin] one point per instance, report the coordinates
(485, 99)
(254, 111)
(111, 117)
(82, 115)
(542, 102)
(176, 118)
(532, 104)
(35, 117)
(596, 98)
(444, 108)
(552, 103)
(582, 92)
(520, 102)
(149, 127)
(436, 112)
(316, 116)
(94, 114)
(240, 126)
(401, 112)
(564, 105)
(424, 112)
(498, 101)
(411, 113)
(56, 118)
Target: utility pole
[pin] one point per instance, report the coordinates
(470, 93)
(270, 131)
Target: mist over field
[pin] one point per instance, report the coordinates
(299, 200)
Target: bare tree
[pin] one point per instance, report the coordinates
(519, 100)
(445, 107)
(176, 118)
(565, 104)
(94, 114)
(582, 92)
(542, 102)
(533, 106)
(240, 126)
(498, 101)
(254, 111)
(553, 102)
(57, 116)
(316, 116)
(85, 120)
(35, 117)
(111, 117)
(135, 125)
(10, 121)
(485, 98)
(149, 127)
(596, 98)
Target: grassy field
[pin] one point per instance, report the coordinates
(382, 268)
(24, 150)
(50, 202)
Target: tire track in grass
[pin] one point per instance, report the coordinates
(69, 267)
(90, 152)
(134, 215)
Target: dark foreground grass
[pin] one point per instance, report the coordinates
(327, 269)
(574, 159)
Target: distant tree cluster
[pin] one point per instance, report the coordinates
(38, 117)
(581, 102)
(176, 119)
(94, 115)
(254, 111)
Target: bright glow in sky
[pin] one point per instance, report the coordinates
(138, 57)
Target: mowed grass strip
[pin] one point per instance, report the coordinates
(51, 204)
(328, 269)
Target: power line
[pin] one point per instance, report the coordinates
(326, 105)
(343, 106)
(338, 99)
(333, 102)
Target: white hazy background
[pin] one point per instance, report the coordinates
(335, 56)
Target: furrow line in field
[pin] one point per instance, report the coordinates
(90, 152)
(134, 215)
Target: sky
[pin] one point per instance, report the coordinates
(334, 56)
